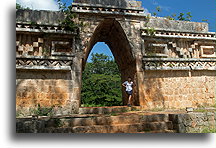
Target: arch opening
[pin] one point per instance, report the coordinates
(111, 32)
(101, 80)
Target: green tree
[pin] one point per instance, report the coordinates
(158, 8)
(102, 64)
(181, 17)
(101, 82)
(172, 17)
(18, 6)
(188, 17)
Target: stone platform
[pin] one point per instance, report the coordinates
(119, 120)
(108, 110)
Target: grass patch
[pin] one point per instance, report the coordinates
(43, 111)
(58, 122)
(113, 114)
(157, 109)
(19, 114)
(214, 105)
(209, 130)
(92, 105)
(201, 110)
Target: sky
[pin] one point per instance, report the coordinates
(200, 9)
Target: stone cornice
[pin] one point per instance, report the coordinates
(28, 27)
(165, 33)
(109, 10)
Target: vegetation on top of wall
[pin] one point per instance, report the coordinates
(182, 16)
(71, 22)
(209, 130)
(158, 9)
(18, 6)
(150, 31)
(42, 111)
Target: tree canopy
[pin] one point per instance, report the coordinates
(101, 82)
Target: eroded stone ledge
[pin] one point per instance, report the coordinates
(106, 9)
(28, 27)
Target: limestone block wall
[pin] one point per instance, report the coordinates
(48, 65)
(194, 122)
(175, 25)
(178, 62)
(48, 89)
(169, 89)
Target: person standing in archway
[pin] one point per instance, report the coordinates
(129, 89)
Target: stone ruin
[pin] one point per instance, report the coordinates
(172, 62)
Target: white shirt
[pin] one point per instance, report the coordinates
(128, 85)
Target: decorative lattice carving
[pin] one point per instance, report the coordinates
(61, 48)
(158, 49)
(43, 62)
(180, 45)
(177, 64)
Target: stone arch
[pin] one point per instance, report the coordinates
(111, 32)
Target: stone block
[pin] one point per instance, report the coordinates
(40, 53)
(31, 49)
(17, 43)
(35, 44)
(20, 48)
(40, 40)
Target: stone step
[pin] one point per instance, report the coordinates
(107, 120)
(160, 131)
(107, 110)
(133, 122)
(154, 127)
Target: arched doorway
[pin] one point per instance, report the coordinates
(111, 32)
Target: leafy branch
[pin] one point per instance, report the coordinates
(158, 9)
(70, 23)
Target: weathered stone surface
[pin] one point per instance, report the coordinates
(176, 89)
(50, 60)
(193, 122)
(117, 3)
(39, 17)
(96, 124)
(125, 123)
(163, 23)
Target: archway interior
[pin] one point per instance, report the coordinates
(101, 79)
(111, 32)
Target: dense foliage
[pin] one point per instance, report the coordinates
(101, 82)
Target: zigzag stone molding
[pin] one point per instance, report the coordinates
(178, 64)
(44, 63)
